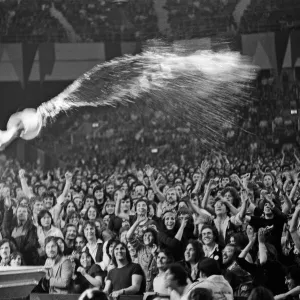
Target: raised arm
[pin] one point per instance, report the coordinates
(118, 212)
(157, 192)
(24, 185)
(293, 228)
(262, 249)
(62, 197)
(205, 204)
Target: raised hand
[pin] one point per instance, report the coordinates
(22, 174)
(149, 171)
(68, 176)
(204, 167)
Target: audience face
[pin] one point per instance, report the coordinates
(110, 208)
(170, 222)
(89, 202)
(79, 203)
(220, 208)
(79, 243)
(51, 250)
(22, 214)
(106, 220)
(148, 238)
(228, 197)
(207, 236)
(141, 208)
(5, 251)
(90, 232)
(268, 181)
(48, 202)
(190, 253)
(161, 260)
(125, 205)
(71, 233)
(110, 189)
(16, 262)
(85, 260)
(99, 194)
(171, 195)
(70, 208)
(91, 213)
(37, 207)
(120, 252)
(61, 245)
(228, 254)
(46, 221)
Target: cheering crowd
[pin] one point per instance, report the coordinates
(223, 227)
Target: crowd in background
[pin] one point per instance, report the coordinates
(99, 20)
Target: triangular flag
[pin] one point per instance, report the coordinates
(1, 51)
(261, 58)
(14, 52)
(112, 50)
(281, 42)
(29, 52)
(287, 62)
(295, 45)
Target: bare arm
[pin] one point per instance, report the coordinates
(157, 192)
(293, 228)
(118, 211)
(262, 252)
(24, 185)
(180, 231)
(205, 204)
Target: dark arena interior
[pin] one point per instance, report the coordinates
(149, 149)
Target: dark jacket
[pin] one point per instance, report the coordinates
(28, 243)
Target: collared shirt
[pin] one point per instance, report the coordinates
(42, 235)
(93, 249)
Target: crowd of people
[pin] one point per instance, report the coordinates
(270, 15)
(99, 20)
(222, 226)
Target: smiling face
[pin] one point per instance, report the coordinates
(190, 253)
(85, 261)
(71, 233)
(132, 250)
(169, 222)
(90, 232)
(48, 202)
(148, 238)
(227, 254)
(141, 208)
(207, 236)
(92, 213)
(120, 252)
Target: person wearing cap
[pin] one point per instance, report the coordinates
(211, 278)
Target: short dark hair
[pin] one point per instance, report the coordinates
(200, 294)
(261, 292)
(209, 267)
(179, 273)
(41, 215)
